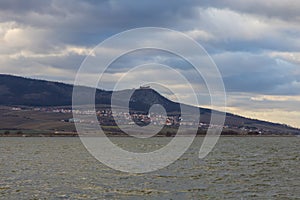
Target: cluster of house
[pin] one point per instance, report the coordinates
(154, 118)
(107, 117)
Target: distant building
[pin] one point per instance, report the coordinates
(145, 87)
(74, 120)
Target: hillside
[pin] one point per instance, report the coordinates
(31, 93)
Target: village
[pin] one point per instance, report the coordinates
(107, 118)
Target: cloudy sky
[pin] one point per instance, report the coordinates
(255, 44)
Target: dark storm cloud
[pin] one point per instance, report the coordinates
(237, 30)
(88, 22)
(90, 16)
(22, 7)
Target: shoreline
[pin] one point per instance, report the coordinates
(128, 136)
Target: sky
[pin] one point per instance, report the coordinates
(255, 44)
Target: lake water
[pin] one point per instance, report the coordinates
(237, 168)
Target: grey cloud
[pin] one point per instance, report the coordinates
(89, 22)
(287, 10)
(246, 101)
(244, 72)
(54, 24)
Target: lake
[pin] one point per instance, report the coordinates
(238, 167)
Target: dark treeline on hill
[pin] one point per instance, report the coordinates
(30, 92)
(40, 93)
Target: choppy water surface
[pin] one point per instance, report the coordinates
(238, 167)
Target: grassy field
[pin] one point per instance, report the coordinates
(34, 121)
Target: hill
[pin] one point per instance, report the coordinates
(29, 94)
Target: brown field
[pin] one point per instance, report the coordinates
(37, 121)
